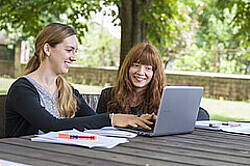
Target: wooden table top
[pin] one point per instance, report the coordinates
(202, 147)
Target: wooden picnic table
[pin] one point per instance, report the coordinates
(202, 147)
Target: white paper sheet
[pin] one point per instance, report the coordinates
(112, 132)
(101, 141)
(10, 163)
(234, 127)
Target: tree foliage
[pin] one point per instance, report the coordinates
(171, 25)
(164, 21)
(28, 17)
(241, 19)
(218, 33)
(155, 20)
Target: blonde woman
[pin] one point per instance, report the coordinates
(139, 86)
(41, 100)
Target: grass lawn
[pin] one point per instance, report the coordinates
(226, 110)
(218, 109)
(5, 84)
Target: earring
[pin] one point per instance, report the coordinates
(48, 54)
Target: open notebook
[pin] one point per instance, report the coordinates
(177, 112)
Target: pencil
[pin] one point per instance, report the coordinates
(68, 136)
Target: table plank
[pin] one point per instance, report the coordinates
(218, 135)
(49, 155)
(202, 147)
(210, 142)
(193, 146)
(191, 153)
(82, 152)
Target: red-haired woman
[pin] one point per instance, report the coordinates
(139, 86)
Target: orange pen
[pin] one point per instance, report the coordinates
(68, 136)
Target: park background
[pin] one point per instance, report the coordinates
(202, 42)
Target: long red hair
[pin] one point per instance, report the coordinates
(146, 54)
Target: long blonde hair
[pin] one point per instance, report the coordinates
(54, 34)
(147, 54)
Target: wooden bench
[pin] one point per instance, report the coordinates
(2, 115)
(91, 99)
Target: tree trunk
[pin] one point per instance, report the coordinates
(132, 27)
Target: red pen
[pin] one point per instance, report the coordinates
(231, 125)
(68, 136)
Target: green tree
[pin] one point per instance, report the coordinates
(155, 21)
(140, 19)
(27, 17)
(241, 19)
(218, 31)
(216, 45)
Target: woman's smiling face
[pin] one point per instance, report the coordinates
(140, 75)
(63, 54)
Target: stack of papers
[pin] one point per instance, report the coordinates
(76, 137)
(111, 132)
(233, 127)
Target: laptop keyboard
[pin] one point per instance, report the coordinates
(141, 129)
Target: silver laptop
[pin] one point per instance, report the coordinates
(177, 113)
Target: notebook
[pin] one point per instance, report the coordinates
(177, 112)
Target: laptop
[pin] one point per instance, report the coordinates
(177, 113)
